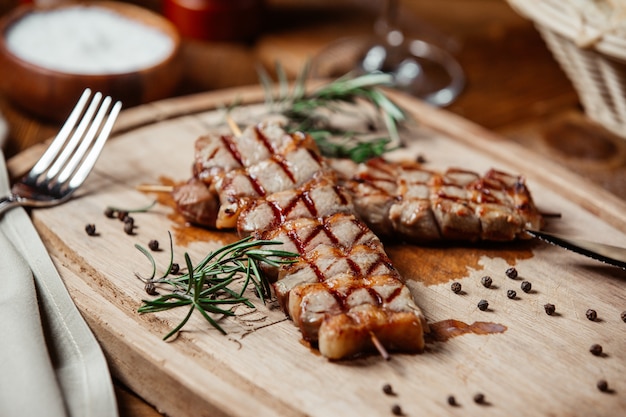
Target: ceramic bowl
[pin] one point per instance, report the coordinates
(51, 93)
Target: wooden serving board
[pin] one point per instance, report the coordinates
(524, 361)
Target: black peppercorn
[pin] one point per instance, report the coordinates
(451, 400)
(511, 294)
(122, 214)
(591, 314)
(150, 288)
(602, 385)
(486, 281)
(511, 273)
(153, 245)
(396, 410)
(526, 286)
(596, 349)
(483, 305)
(479, 398)
(175, 269)
(129, 219)
(549, 308)
(387, 389)
(623, 316)
(110, 212)
(456, 287)
(129, 228)
(90, 229)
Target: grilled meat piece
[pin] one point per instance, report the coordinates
(343, 292)
(343, 288)
(196, 202)
(318, 197)
(404, 200)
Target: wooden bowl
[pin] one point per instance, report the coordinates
(50, 94)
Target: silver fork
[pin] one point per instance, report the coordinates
(67, 162)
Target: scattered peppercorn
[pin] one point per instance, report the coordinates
(511, 294)
(129, 219)
(550, 309)
(526, 286)
(596, 349)
(602, 385)
(479, 398)
(483, 305)
(456, 287)
(591, 314)
(452, 400)
(623, 316)
(153, 245)
(175, 269)
(396, 410)
(511, 273)
(486, 281)
(129, 228)
(122, 214)
(150, 288)
(90, 229)
(387, 389)
(109, 212)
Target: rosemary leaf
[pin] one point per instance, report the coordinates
(209, 286)
(309, 112)
(152, 261)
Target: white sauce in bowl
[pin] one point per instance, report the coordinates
(87, 40)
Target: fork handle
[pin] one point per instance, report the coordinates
(7, 203)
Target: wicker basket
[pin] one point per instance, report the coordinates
(593, 57)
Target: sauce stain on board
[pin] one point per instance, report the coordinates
(445, 330)
(434, 265)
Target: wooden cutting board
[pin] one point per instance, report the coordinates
(524, 361)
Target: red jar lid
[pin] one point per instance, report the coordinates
(218, 20)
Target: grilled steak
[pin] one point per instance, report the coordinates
(406, 201)
(343, 292)
(343, 288)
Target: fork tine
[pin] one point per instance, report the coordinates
(86, 141)
(87, 164)
(53, 149)
(75, 140)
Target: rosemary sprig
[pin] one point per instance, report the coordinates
(310, 112)
(209, 287)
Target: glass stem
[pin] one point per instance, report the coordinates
(387, 20)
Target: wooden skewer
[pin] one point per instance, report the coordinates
(233, 126)
(379, 347)
(155, 188)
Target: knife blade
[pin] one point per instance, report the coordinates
(612, 255)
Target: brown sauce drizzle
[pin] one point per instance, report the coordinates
(232, 148)
(281, 162)
(264, 140)
(445, 330)
(394, 295)
(305, 196)
(256, 184)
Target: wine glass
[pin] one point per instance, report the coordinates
(418, 67)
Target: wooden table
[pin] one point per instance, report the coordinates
(514, 86)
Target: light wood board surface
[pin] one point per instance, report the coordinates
(534, 364)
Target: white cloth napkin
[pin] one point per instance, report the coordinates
(64, 375)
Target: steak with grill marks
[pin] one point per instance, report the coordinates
(343, 292)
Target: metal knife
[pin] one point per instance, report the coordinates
(612, 255)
